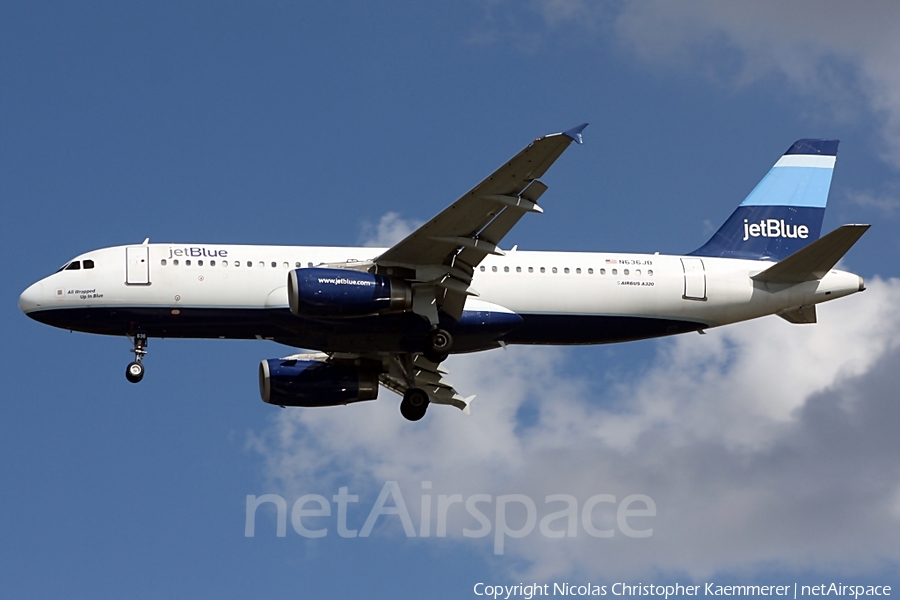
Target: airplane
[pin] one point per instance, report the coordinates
(390, 316)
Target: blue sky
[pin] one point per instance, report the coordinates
(769, 449)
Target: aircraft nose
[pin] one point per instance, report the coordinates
(31, 298)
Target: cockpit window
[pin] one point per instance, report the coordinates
(75, 265)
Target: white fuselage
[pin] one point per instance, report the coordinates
(182, 277)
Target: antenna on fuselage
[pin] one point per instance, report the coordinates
(145, 242)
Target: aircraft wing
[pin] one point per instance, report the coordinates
(440, 256)
(409, 371)
(401, 372)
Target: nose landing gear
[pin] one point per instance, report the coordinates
(135, 370)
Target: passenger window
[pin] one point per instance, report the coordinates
(199, 263)
(187, 263)
(175, 262)
(237, 263)
(506, 269)
(518, 269)
(554, 269)
(482, 268)
(274, 264)
(212, 263)
(262, 264)
(494, 269)
(637, 271)
(603, 271)
(249, 263)
(88, 264)
(649, 271)
(543, 270)
(531, 269)
(224, 263)
(578, 271)
(309, 265)
(74, 266)
(625, 272)
(163, 262)
(590, 271)
(615, 271)
(286, 265)
(566, 270)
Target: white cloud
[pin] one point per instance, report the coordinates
(886, 203)
(761, 443)
(390, 229)
(839, 55)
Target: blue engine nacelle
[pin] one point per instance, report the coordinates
(314, 383)
(344, 293)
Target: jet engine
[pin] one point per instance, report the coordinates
(314, 383)
(319, 292)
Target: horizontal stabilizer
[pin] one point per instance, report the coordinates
(799, 315)
(815, 260)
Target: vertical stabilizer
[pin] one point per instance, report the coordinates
(784, 211)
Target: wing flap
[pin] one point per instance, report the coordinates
(424, 375)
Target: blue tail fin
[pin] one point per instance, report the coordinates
(784, 211)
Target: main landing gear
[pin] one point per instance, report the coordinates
(415, 403)
(135, 370)
(438, 343)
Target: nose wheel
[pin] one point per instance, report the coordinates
(135, 370)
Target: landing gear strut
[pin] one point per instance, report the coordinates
(135, 370)
(415, 403)
(437, 345)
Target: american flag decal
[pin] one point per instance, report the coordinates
(612, 262)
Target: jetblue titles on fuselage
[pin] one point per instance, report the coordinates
(198, 252)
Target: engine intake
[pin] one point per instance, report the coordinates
(314, 383)
(318, 292)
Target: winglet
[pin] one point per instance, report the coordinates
(575, 133)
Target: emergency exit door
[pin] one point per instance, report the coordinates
(137, 265)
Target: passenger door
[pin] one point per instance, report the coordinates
(137, 265)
